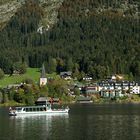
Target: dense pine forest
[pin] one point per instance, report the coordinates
(95, 37)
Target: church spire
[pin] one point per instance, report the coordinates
(43, 72)
(43, 78)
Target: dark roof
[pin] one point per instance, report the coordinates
(69, 73)
(41, 99)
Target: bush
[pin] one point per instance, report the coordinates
(1, 97)
(29, 99)
(28, 81)
(19, 68)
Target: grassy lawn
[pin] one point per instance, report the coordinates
(32, 73)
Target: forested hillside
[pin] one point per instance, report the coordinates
(95, 37)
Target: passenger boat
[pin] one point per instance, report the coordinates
(37, 110)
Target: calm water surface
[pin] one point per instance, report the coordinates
(84, 122)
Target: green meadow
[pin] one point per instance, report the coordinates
(32, 73)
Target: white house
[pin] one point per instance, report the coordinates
(136, 89)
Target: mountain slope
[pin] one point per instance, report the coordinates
(95, 37)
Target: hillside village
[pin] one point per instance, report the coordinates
(85, 91)
(110, 87)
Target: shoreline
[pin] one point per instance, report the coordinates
(74, 102)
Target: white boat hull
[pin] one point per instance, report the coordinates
(15, 113)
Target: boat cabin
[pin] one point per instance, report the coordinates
(33, 108)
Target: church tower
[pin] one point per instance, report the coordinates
(43, 78)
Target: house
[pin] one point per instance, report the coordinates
(90, 90)
(136, 89)
(83, 99)
(117, 88)
(111, 78)
(14, 86)
(66, 75)
(41, 101)
(87, 78)
(111, 93)
(80, 86)
(44, 100)
(54, 100)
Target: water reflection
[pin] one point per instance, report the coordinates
(84, 122)
(37, 126)
(120, 127)
(48, 116)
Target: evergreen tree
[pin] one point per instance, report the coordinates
(1, 74)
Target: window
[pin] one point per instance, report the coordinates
(38, 109)
(34, 109)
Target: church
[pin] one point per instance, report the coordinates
(43, 78)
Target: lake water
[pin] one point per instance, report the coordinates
(84, 122)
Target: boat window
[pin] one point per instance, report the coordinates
(38, 109)
(27, 110)
(23, 109)
(19, 109)
(34, 109)
(30, 109)
(41, 109)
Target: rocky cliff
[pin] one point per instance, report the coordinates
(49, 7)
(7, 10)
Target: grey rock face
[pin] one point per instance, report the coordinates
(7, 10)
(50, 7)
